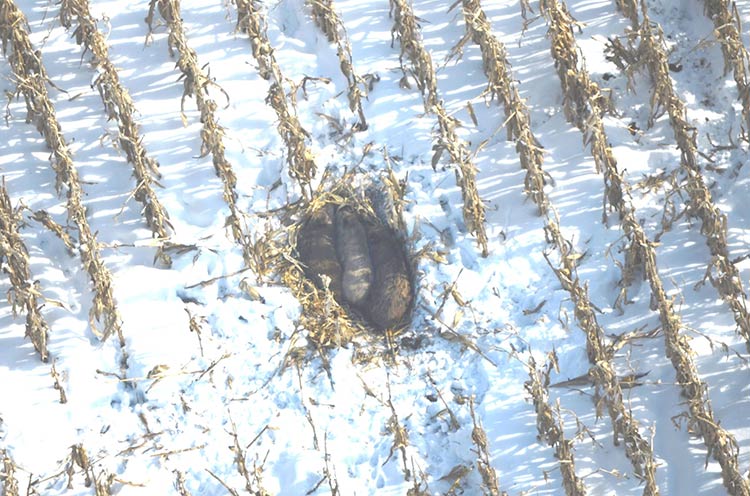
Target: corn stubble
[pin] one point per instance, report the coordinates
(119, 107)
(577, 86)
(330, 23)
(196, 83)
(300, 159)
(24, 294)
(31, 80)
(721, 271)
(602, 372)
(405, 28)
(727, 31)
(550, 426)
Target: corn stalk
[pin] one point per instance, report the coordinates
(721, 271)
(719, 443)
(727, 29)
(31, 79)
(300, 159)
(24, 293)
(550, 427)
(120, 108)
(330, 23)
(196, 84)
(501, 86)
(407, 31)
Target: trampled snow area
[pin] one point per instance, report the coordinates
(354, 420)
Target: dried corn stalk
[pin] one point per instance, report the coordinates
(718, 441)
(406, 30)
(727, 29)
(31, 79)
(14, 259)
(302, 167)
(102, 482)
(330, 23)
(489, 477)
(500, 86)
(196, 84)
(602, 373)
(549, 425)
(46, 220)
(119, 107)
(721, 271)
(577, 92)
(8, 481)
(629, 9)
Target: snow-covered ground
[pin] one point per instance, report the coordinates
(204, 406)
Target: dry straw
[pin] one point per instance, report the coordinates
(24, 293)
(491, 485)
(326, 323)
(718, 441)
(330, 23)
(500, 86)
(550, 427)
(47, 221)
(120, 108)
(405, 28)
(300, 159)
(629, 9)
(101, 482)
(602, 373)
(31, 80)
(721, 271)
(727, 29)
(8, 480)
(196, 84)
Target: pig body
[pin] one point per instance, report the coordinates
(390, 297)
(353, 251)
(317, 250)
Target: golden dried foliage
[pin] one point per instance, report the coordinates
(196, 84)
(47, 221)
(490, 483)
(550, 427)
(500, 85)
(721, 271)
(120, 108)
(8, 481)
(719, 442)
(31, 79)
(641, 250)
(629, 9)
(24, 294)
(497, 70)
(405, 28)
(300, 159)
(727, 30)
(330, 23)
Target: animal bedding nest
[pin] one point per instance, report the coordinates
(348, 252)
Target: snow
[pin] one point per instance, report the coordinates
(192, 402)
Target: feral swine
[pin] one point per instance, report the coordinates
(365, 261)
(354, 255)
(317, 250)
(390, 295)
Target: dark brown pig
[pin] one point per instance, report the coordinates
(390, 297)
(317, 250)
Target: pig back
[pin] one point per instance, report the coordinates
(390, 297)
(354, 255)
(317, 250)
